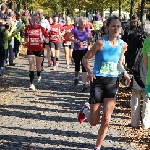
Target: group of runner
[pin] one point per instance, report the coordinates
(109, 56)
(41, 34)
(108, 52)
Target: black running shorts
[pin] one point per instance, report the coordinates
(103, 87)
(70, 46)
(36, 53)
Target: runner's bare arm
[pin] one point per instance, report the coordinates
(45, 36)
(121, 60)
(25, 37)
(121, 66)
(96, 47)
(68, 37)
(48, 27)
(62, 32)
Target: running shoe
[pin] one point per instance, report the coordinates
(84, 88)
(76, 82)
(50, 63)
(39, 79)
(32, 87)
(72, 61)
(81, 115)
(67, 67)
(42, 68)
(2, 68)
(57, 63)
(54, 68)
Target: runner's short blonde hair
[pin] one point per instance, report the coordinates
(40, 10)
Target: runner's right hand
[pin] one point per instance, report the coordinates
(76, 41)
(90, 77)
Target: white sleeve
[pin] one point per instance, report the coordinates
(42, 36)
(48, 26)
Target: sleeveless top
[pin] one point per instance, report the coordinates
(106, 60)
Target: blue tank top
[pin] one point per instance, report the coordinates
(106, 60)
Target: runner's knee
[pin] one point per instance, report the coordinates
(105, 120)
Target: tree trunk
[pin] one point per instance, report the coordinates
(120, 8)
(79, 12)
(24, 5)
(87, 14)
(18, 6)
(64, 13)
(102, 9)
(110, 11)
(132, 8)
(142, 9)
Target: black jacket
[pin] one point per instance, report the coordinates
(2, 31)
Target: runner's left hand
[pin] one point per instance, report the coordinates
(127, 78)
(41, 41)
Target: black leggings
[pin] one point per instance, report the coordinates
(16, 46)
(77, 56)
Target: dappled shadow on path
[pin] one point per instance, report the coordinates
(57, 93)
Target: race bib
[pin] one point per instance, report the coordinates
(109, 68)
(67, 43)
(53, 37)
(34, 41)
(67, 30)
(84, 44)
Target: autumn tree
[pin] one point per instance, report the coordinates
(63, 6)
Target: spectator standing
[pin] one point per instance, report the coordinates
(2, 51)
(3, 14)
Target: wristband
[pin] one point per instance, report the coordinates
(120, 69)
(123, 70)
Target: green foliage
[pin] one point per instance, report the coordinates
(59, 6)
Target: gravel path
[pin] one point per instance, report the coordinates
(47, 118)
